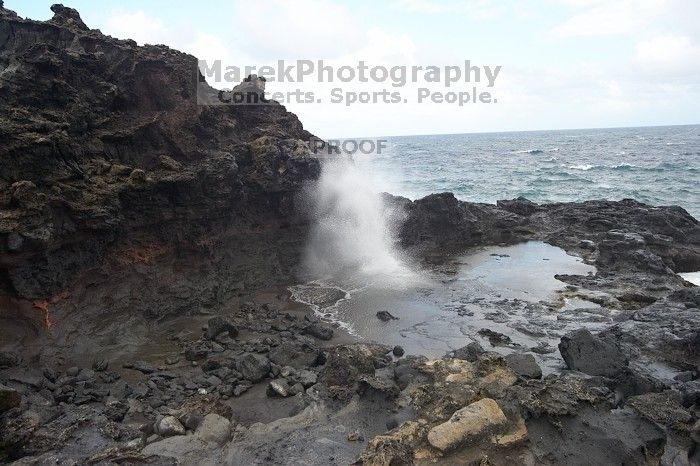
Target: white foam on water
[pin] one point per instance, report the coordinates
(692, 277)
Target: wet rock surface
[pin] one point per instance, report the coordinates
(141, 233)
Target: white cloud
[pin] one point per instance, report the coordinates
(278, 29)
(609, 18)
(668, 55)
(137, 26)
(476, 9)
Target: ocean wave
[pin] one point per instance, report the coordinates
(581, 167)
(529, 151)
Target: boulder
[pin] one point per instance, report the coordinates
(169, 426)
(9, 398)
(214, 429)
(218, 325)
(582, 351)
(469, 353)
(294, 354)
(345, 364)
(322, 332)
(471, 423)
(385, 316)
(278, 387)
(253, 367)
(524, 365)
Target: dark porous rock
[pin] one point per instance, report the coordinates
(295, 354)
(141, 366)
(197, 351)
(9, 359)
(109, 180)
(191, 420)
(495, 338)
(345, 364)
(218, 325)
(253, 367)
(398, 351)
(524, 365)
(320, 331)
(587, 353)
(100, 365)
(520, 206)
(629, 382)
(664, 408)
(470, 353)
(66, 16)
(9, 398)
(116, 410)
(385, 316)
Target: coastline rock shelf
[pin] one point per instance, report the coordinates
(146, 247)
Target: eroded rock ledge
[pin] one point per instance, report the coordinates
(107, 160)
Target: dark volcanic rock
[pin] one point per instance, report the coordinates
(9, 398)
(469, 353)
(627, 233)
(385, 316)
(254, 367)
(585, 352)
(108, 161)
(320, 331)
(524, 365)
(218, 325)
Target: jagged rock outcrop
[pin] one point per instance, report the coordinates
(108, 162)
(615, 235)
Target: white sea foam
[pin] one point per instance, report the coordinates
(353, 234)
(581, 167)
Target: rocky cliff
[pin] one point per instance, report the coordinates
(107, 162)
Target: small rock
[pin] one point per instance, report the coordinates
(240, 389)
(495, 338)
(278, 387)
(470, 353)
(9, 398)
(385, 316)
(214, 429)
(355, 436)
(137, 176)
(191, 420)
(218, 325)
(142, 367)
(296, 389)
(172, 359)
(524, 365)
(470, 423)
(254, 367)
(100, 365)
(306, 377)
(116, 411)
(319, 331)
(72, 371)
(587, 353)
(398, 351)
(169, 426)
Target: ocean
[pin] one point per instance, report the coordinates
(655, 165)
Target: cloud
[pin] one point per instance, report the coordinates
(476, 9)
(609, 18)
(138, 26)
(278, 29)
(668, 55)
